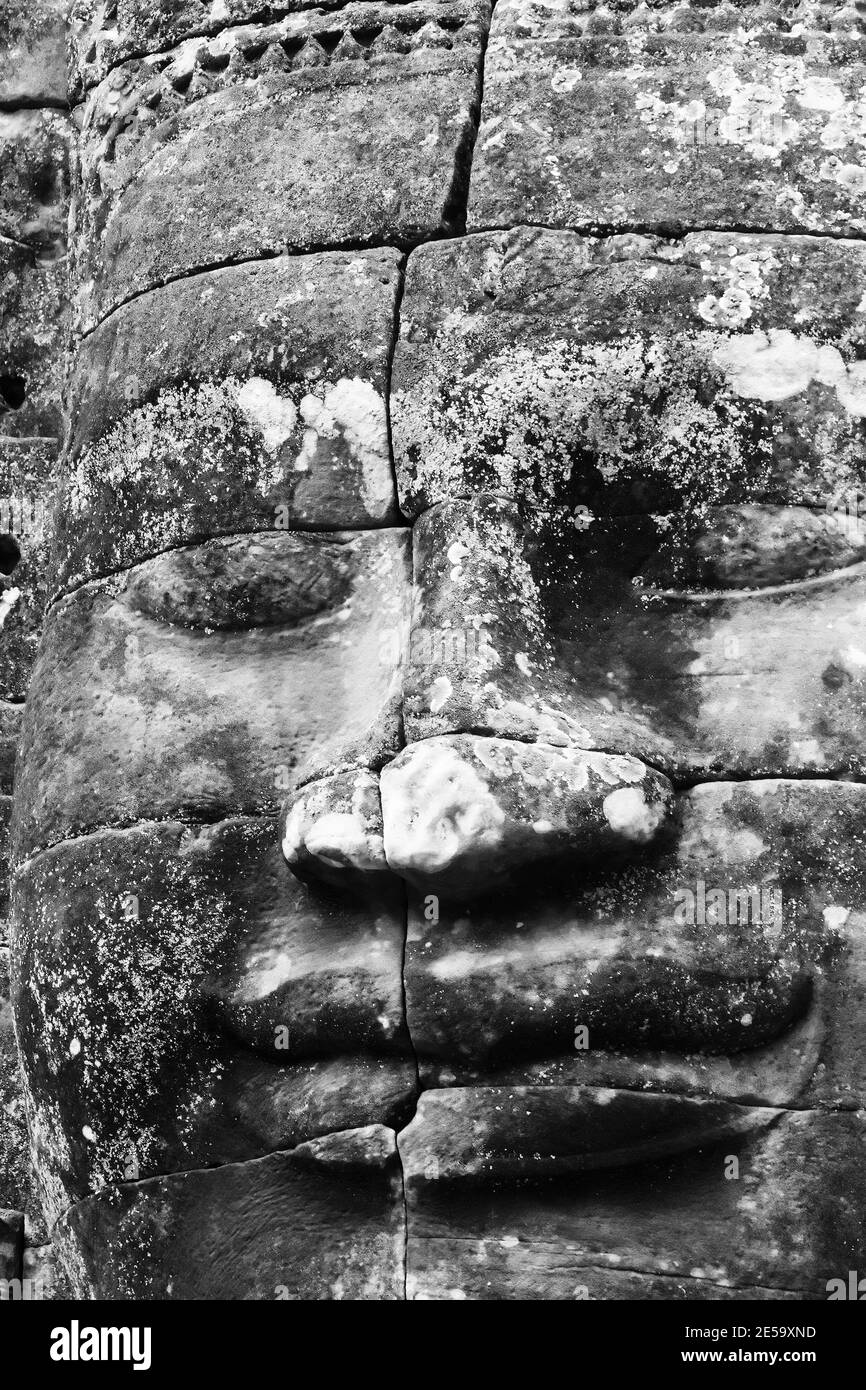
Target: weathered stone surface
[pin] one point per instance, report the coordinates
(685, 389)
(610, 734)
(10, 725)
(311, 132)
(15, 1177)
(631, 374)
(33, 52)
(791, 1220)
(211, 680)
(26, 490)
(102, 33)
(32, 341)
(45, 1280)
(245, 399)
(183, 1000)
(11, 1244)
(738, 115)
(324, 1221)
(35, 179)
(333, 827)
(464, 814)
(729, 963)
(5, 814)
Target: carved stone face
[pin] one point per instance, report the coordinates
(440, 823)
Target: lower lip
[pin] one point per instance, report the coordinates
(508, 1133)
(570, 1115)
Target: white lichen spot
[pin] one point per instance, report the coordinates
(779, 364)
(274, 415)
(440, 693)
(835, 916)
(456, 554)
(628, 813)
(566, 79)
(8, 600)
(353, 410)
(435, 807)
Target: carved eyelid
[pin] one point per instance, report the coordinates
(767, 549)
(243, 584)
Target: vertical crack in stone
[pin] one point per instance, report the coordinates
(389, 374)
(457, 201)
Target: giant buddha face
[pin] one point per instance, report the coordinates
(440, 821)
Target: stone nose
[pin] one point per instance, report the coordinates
(462, 813)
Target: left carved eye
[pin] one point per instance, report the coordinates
(263, 580)
(754, 546)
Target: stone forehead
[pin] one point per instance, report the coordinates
(739, 116)
(242, 399)
(517, 351)
(284, 142)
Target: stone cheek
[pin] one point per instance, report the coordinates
(250, 398)
(183, 1000)
(325, 1221)
(194, 684)
(685, 116)
(295, 135)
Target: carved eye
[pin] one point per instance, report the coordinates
(281, 579)
(755, 546)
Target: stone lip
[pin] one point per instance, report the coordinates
(490, 1133)
(777, 1074)
(682, 1013)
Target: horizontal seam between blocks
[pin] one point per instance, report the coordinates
(409, 244)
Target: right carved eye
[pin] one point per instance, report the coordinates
(261, 580)
(754, 546)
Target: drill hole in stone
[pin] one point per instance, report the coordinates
(13, 391)
(214, 62)
(329, 41)
(10, 553)
(292, 46)
(367, 36)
